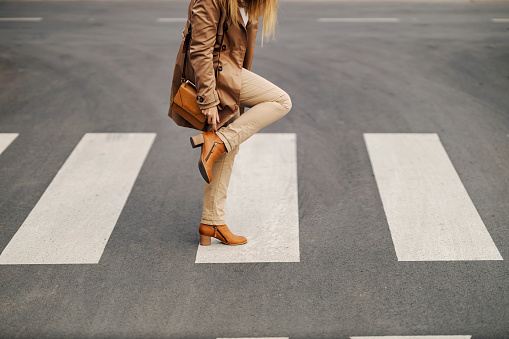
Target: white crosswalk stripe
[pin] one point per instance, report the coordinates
(355, 20)
(378, 337)
(262, 203)
(6, 139)
(20, 19)
(430, 214)
(418, 337)
(72, 221)
(171, 19)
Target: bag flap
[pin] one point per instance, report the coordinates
(186, 98)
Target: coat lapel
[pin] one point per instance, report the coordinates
(240, 19)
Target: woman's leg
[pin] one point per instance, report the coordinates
(214, 194)
(268, 103)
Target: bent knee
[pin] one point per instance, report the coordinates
(286, 102)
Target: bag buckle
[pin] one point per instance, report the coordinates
(189, 82)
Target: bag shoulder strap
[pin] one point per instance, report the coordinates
(184, 50)
(186, 47)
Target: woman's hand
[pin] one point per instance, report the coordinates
(212, 116)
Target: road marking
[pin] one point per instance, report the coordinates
(257, 338)
(21, 19)
(430, 214)
(73, 219)
(358, 20)
(500, 20)
(171, 19)
(6, 139)
(262, 203)
(418, 337)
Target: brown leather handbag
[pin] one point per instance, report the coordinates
(184, 102)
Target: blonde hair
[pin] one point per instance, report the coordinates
(255, 9)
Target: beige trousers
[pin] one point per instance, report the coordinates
(267, 103)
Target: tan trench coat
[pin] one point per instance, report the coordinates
(206, 20)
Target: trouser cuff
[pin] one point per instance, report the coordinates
(213, 221)
(225, 141)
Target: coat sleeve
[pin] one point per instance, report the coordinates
(205, 16)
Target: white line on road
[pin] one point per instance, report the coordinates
(20, 19)
(430, 214)
(6, 139)
(358, 20)
(73, 219)
(171, 19)
(262, 203)
(418, 337)
(500, 20)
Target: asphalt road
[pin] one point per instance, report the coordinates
(106, 67)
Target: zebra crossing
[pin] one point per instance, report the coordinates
(430, 215)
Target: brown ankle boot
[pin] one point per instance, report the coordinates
(220, 232)
(211, 148)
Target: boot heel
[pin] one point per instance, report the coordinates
(204, 240)
(197, 140)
